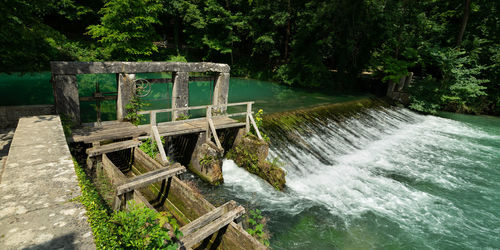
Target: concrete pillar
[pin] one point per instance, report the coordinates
(126, 91)
(180, 93)
(66, 97)
(206, 161)
(221, 90)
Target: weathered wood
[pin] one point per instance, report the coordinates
(115, 176)
(93, 125)
(70, 68)
(144, 159)
(207, 218)
(247, 124)
(145, 180)
(145, 112)
(255, 127)
(126, 130)
(214, 132)
(93, 99)
(192, 239)
(193, 205)
(156, 135)
(103, 135)
(112, 147)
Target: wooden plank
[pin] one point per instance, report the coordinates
(255, 127)
(159, 144)
(93, 99)
(91, 126)
(214, 132)
(114, 174)
(207, 218)
(145, 180)
(192, 239)
(145, 112)
(112, 147)
(144, 159)
(108, 135)
(247, 124)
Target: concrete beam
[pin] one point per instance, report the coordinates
(126, 91)
(69, 68)
(221, 90)
(180, 93)
(66, 96)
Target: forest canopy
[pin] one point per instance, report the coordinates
(452, 47)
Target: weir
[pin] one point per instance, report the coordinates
(112, 146)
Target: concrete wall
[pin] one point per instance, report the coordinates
(9, 115)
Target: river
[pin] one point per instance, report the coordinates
(384, 178)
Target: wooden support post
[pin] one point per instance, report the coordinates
(255, 126)
(66, 97)
(156, 135)
(211, 128)
(152, 118)
(126, 91)
(180, 93)
(208, 116)
(214, 132)
(221, 90)
(249, 113)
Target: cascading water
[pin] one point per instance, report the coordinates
(383, 177)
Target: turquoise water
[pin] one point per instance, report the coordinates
(36, 88)
(386, 179)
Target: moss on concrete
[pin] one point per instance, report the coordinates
(250, 153)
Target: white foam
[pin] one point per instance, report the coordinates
(373, 157)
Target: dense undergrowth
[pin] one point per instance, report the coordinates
(137, 228)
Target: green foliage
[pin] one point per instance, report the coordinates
(139, 227)
(67, 124)
(304, 43)
(150, 147)
(458, 88)
(256, 223)
(135, 105)
(177, 58)
(247, 159)
(181, 117)
(207, 160)
(142, 228)
(127, 31)
(259, 123)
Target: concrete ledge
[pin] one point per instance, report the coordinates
(9, 115)
(72, 68)
(38, 191)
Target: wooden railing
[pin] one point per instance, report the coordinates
(212, 110)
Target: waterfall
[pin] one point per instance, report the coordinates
(380, 161)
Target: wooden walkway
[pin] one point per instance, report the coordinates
(119, 130)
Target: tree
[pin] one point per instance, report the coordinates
(127, 28)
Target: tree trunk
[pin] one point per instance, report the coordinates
(464, 22)
(287, 36)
